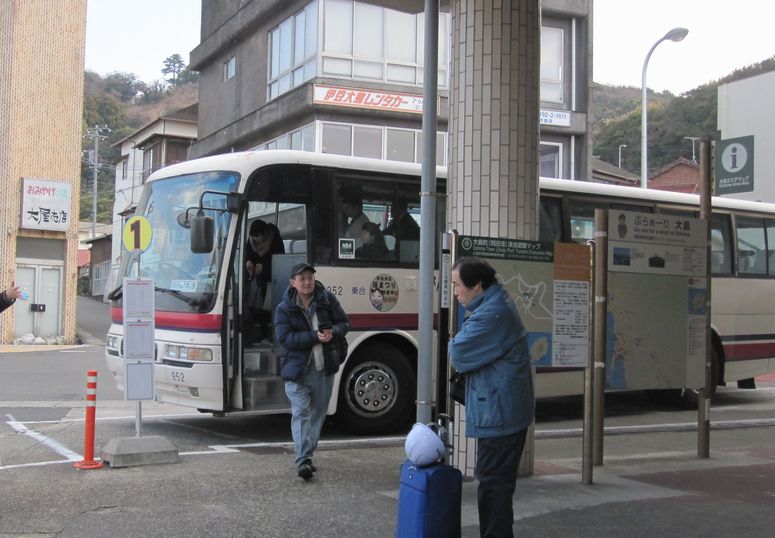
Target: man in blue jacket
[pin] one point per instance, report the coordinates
(491, 350)
(310, 326)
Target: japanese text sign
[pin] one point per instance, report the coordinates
(45, 205)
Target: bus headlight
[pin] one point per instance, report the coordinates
(175, 352)
(111, 342)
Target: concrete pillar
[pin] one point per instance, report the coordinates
(493, 131)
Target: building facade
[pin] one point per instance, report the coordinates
(747, 108)
(345, 77)
(41, 116)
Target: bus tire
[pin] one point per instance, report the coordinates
(376, 390)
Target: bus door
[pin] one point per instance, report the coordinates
(274, 238)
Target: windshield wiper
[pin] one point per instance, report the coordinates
(175, 293)
(116, 294)
(193, 302)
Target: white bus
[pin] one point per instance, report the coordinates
(206, 358)
(742, 273)
(205, 354)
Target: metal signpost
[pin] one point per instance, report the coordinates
(138, 320)
(138, 344)
(734, 165)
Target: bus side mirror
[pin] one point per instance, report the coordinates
(233, 202)
(202, 233)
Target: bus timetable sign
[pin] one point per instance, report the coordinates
(734, 165)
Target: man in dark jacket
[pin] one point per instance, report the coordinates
(9, 296)
(310, 326)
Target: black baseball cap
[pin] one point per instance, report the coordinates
(300, 268)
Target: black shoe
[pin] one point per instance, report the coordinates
(305, 471)
(312, 466)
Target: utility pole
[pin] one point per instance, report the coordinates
(693, 139)
(96, 134)
(621, 146)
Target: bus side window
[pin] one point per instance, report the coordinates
(550, 219)
(770, 247)
(721, 245)
(581, 216)
(751, 246)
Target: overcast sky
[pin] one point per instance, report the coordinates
(137, 36)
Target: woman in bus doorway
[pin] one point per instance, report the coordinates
(491, 350)
(310, 325)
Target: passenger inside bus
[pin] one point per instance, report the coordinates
(263, 242)
(402, 225)
(374, 247)
(353, 218)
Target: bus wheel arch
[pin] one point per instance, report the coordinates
(377, 388)
(689, 398)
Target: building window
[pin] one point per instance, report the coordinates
(551, 159)
(292, 51)
(336, 138)
(230, 68)
(367, 142)
(148, 161)
(552, 54)
(400, 145)
(378, 142)
(302, 139)
(368, 42)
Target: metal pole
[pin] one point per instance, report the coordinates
(589, 406)
(676, 34)
(644, 158)
(601, 302)
(94, 181)
(620, 153)
(139, 408)
(703, 407)
(428, 213)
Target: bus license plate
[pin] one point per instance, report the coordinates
(176, 377)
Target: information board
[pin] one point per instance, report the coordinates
(550, 284)
(657, 301)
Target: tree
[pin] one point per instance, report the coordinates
(187, 76)
(125, 86)
(173, 65)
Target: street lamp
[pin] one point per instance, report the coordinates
(693, 139)
(620, 153)
(676, 34)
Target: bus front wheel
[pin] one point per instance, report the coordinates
(376, 391)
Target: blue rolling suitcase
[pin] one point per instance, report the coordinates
(429, 501)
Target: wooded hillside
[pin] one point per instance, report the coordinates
(616, 119)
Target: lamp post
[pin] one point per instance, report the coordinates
(676, 34)
(693, 139)
(620, 153)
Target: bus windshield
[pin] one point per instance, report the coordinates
(184, 281)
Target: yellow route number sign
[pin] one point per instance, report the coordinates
(137, 234)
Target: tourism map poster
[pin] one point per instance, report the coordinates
(550, 284)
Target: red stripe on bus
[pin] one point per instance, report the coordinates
(383, 321)
(178, 320)
(743, 352)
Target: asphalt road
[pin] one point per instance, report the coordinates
(236, 477)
